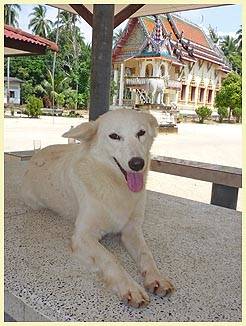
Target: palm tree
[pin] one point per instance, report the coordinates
(67, 21)
(67, 24)
(239, 39)
(39, 24)
(11, 14)
(51, 87)
(228, 45)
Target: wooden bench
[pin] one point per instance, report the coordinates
(226, 180)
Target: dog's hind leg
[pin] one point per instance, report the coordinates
(99, 259)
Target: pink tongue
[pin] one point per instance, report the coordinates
(134, 181)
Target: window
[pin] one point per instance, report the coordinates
(201, 95)
(183, 92)
(192, 93)
(210, 93)
(162, 70)
(149, 70)
(12, 94)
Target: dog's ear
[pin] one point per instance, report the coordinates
(85, 131)
(153, 124)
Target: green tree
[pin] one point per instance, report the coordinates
(236, 61)
(230, 94)
(228, 45)
(52, 87)
(39, 24)
(11, 14)
(223, 113)
(237, 113)
(33, 107)
(203, 113)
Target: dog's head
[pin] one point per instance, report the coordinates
(121, 139)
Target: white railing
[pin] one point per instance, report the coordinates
(144, 81)
(175, 84)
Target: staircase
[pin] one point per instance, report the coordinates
(144, 98)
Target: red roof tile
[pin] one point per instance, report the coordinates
(19, 35)
(191, 32)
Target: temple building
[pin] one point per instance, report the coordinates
(166, 60)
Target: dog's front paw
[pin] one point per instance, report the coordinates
(133, 295)
(159, 285)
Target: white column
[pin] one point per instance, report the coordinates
(176, 97)
(156, 68)
(196, 95)
(213, 98)
(121, 92)
(116, 83)
(142, 68)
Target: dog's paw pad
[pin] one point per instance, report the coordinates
(160, 287)
(136, 299)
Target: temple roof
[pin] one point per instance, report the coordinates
(184, 41)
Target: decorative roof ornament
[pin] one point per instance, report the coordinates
(193, 80)
(158, 32)
(202, 84)
(210, 84)
(158, 43)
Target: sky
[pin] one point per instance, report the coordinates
(226, 19)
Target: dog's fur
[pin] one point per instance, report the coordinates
(84, 181)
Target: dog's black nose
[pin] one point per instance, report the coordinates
(136, 163)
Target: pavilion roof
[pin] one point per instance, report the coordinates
(18, 42)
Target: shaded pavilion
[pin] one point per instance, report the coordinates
(19, 43)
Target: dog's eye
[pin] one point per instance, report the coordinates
(140, 133)
(114, 136)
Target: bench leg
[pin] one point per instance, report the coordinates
(224, 196)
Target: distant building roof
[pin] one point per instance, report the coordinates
(186, 39)
(13, 79)
(18, 42)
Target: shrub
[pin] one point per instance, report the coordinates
(230, 94)
(237, 113)
(223, 113)
(203, 113)
(33, 107)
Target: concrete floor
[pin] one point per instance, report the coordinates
(198, 246)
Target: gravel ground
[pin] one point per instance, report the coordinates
(212, 143)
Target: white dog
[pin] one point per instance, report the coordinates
(101, 183)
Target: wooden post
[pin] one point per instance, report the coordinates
(225, 196)
(102, 35)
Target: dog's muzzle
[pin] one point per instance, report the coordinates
(135, 180)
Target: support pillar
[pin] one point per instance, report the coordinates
(121, 92)
(103, 21)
